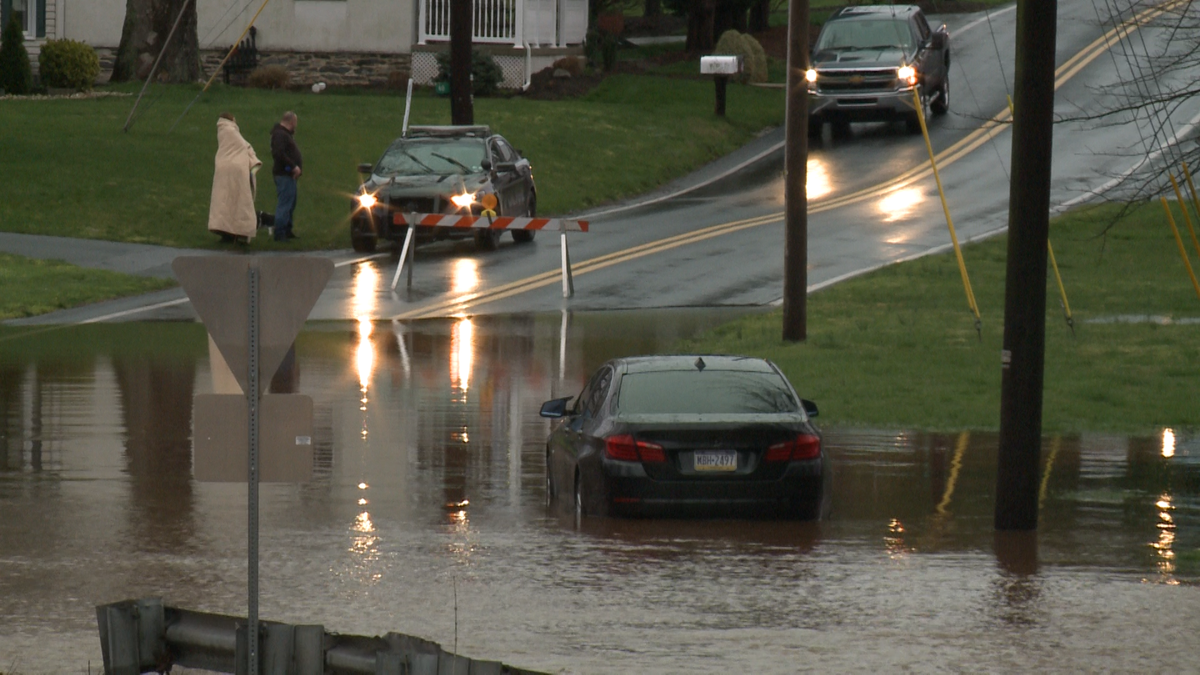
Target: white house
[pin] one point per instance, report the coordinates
(336, 41)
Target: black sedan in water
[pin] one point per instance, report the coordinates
(687, 435)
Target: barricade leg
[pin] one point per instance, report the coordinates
(406, 255)
(568, 282)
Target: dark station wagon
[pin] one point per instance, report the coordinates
(442, 170)
(687, 435)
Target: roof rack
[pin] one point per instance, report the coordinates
(450, 131)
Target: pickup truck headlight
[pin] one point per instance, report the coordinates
(367, 200)
(811, 76)
(907, 75)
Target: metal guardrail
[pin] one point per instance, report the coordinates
(143, 636)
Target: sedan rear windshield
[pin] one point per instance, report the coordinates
(432, 156)
(704, 392)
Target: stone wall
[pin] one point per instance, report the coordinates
(343, 69)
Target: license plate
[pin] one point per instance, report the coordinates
(715, 460)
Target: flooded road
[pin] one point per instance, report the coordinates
(426, 516)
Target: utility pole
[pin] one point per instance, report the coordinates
(1023, 356)
(462, 107)
(795, 169)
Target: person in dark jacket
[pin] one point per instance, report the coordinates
(286, 169)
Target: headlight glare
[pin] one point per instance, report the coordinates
(810, 75)
(464, 200)
(367, 200)
(907, 74)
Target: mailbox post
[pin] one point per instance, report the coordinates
(720, 67)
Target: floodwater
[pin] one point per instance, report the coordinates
(426, 516)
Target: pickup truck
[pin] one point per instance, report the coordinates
(866, 62)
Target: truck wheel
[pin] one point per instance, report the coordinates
(363, 244)
(941, 104)
(487, 240)
(526, 236)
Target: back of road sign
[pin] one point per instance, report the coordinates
(219, 290)
(221, 425)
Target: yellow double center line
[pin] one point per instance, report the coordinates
(987, 131)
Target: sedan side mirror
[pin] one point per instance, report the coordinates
(555, 409)
(506, 167)
(365, 169)
(810, 408)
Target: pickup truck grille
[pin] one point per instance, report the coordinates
(854, 81)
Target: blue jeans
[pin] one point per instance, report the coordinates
(285, 187)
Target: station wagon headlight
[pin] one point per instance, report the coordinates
(367, 200)
(464, 200)
(907, 75)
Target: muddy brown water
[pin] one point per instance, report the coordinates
(426, 516)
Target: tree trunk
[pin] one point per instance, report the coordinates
(700, 26)
(147, 25)
(723, 19)
(760, 16)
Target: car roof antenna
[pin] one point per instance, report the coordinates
(699, 364)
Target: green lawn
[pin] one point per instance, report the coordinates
(31, 287)
(70, 170)
(898, 347)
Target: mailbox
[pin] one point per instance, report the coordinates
(720, 65)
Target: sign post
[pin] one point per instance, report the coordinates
(253, 308)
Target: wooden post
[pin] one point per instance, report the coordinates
(722, 81)
(795, 256)
(462, 109)
(1023, 357)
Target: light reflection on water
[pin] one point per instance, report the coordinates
(907, 573)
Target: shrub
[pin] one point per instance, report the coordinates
(68, 64)
(16, 77)
(486, 76)
(754, 59)
(758, 72)
(571, 64)
(269, 77)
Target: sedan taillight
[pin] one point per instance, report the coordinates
(625, 448)
(804, 446)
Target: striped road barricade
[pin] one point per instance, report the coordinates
(490, 221)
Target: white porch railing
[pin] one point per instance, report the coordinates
(536, 23)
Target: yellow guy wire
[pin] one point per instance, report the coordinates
(1054, 446)
(1187, 218)
(1195, 202)
(234, 47)
(962, 266)
(955, 467)
(1062, 290)
(1182, 251)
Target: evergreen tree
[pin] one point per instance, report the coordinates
(16, 77)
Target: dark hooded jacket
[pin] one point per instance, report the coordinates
(284, 151)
